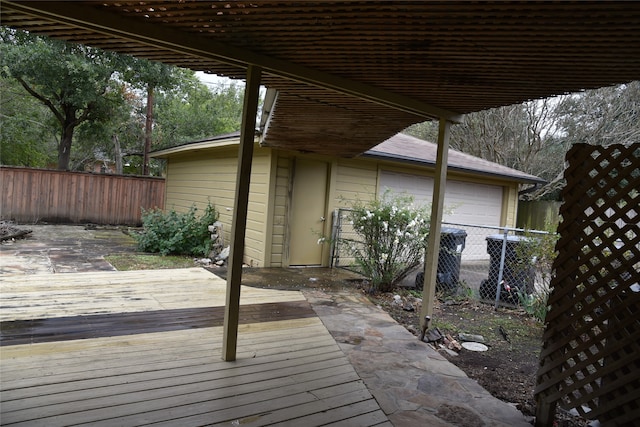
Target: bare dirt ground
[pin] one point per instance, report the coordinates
(508, 368)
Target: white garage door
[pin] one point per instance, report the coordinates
(465, 202)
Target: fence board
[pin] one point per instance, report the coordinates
(41, 195)
(538, 215)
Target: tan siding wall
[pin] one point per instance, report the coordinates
(279, 257)
(204, 177)
(354, 180)
(200, 177)
(510, 202)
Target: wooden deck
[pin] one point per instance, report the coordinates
(289, 369)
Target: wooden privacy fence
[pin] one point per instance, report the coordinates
(41, 195)
(538, 215)
(590, 359)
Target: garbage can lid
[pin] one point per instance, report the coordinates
(449, 230)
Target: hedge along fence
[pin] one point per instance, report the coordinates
(42, 195)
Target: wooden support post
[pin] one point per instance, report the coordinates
(545, 413)
(238, 226)
(437, 207)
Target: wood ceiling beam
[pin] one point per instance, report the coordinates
(90, 18)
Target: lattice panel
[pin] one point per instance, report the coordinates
(591, 353)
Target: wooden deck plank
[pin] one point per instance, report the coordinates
(30, 366)
(46, 296)
(208, 339)
(289, 367)
(96, 408)
(316, 412)
(373, 418)
(98, 325)
(179, 385)
(104, 377)
(258, 381)
(363, 412)
(308, 411)
(143, 369)
(201, 341)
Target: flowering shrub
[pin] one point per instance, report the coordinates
(391, 238)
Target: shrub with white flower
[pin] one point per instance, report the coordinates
(391, 238)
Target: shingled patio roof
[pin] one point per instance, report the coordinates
(351, 74)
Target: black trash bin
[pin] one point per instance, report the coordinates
(452, 243)
(517, 274)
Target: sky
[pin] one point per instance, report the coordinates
(213, 80)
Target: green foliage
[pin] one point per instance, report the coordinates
(174, 233)
(541, 249)
(142, 73)
(74, 82)
(392, 235)
(460, 293)
(87, 104)
(195, 112)
(536, 304)
(27, 134)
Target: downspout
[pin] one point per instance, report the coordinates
(239, 220)
(437, 207)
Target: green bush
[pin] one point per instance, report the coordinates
(174, 233)
(391, 238)
(541, 250)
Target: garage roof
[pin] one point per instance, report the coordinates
(353, 73)
(406, 148)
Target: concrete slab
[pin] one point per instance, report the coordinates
(63, 249)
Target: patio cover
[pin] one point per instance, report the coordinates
(350, 74)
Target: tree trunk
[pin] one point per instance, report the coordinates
(64, 148)
(117, 153)
(147, 131)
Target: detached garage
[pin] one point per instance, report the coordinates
(478, 192)
(293, 195)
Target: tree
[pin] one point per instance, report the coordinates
(534, 136)
(115, 138)
(603, 116)
(519, 136)
(74, 82)
(27, 131)
(151, 76)
(195, 112)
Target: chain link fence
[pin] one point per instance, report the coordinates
(499, 265)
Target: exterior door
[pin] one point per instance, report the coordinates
(308, 208)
